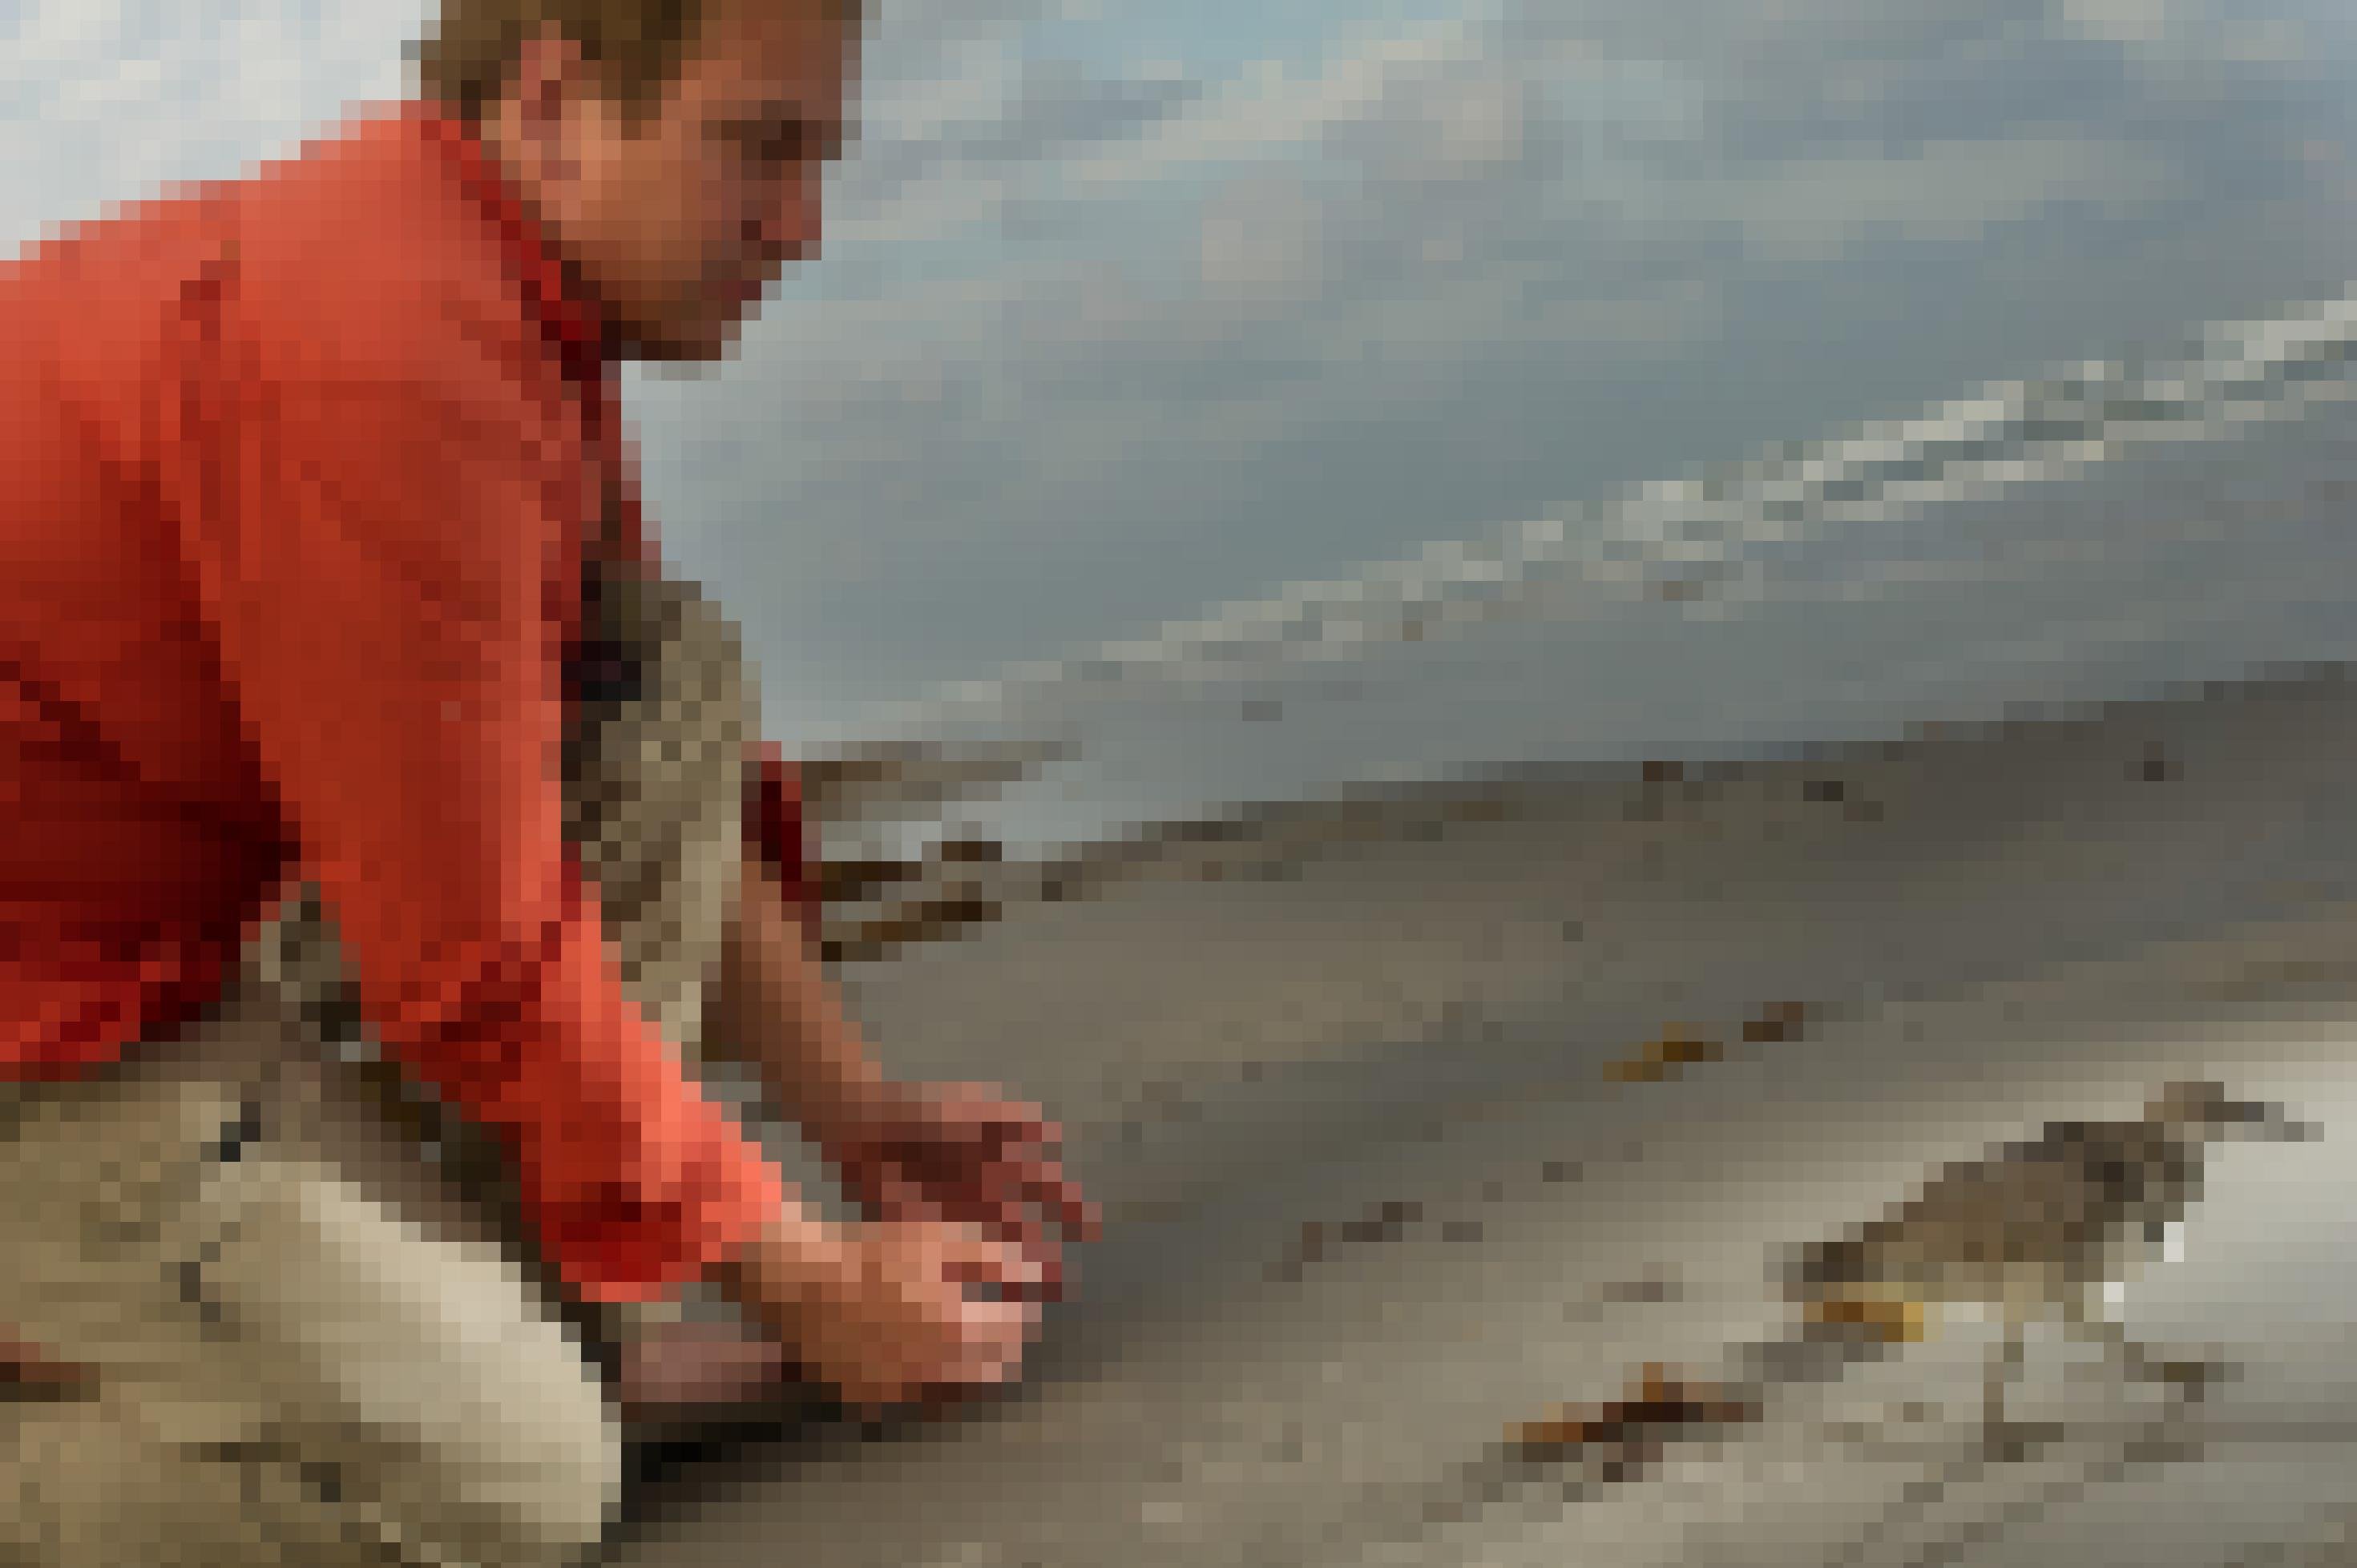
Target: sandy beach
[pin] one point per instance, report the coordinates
(1409, 1132)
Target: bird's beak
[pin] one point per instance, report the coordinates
(2271, 1123)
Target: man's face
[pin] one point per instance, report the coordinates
(678, 228)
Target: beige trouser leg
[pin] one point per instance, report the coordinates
(657, 804)
(321, 1334)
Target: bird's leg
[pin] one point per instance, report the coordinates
(2082, 1320)
(1998, 1433)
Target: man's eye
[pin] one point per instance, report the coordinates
(777, 147)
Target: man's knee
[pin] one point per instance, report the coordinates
(90, 1485)
(452, 1411)
(543, 1509)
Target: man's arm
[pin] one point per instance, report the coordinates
(776, 1005)
(375, 549)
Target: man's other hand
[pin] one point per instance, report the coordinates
(964, 1154)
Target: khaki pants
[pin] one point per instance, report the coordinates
(322, 1335)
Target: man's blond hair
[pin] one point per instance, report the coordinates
(637, 46)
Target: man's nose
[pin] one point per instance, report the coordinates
(784, 231)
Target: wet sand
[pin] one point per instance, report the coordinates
(1416, 1133)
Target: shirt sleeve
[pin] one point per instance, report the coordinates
(774, 829)
(379, 564)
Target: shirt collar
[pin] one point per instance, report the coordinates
(569, 321)
(570, 325)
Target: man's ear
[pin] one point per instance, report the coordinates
(550, 77)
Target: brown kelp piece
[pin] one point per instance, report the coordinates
(1673, 1048)
(1628, 1433)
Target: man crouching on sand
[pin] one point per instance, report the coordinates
(348, 708)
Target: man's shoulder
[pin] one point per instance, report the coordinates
(357, 255)
(364, 251)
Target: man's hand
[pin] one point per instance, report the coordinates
(962, 1155)
(910, 1328)
(897, 1322)
(887, 1314)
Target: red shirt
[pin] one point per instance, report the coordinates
(301, 469)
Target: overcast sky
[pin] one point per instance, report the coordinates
(1126, 309)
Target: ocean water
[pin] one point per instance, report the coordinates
(2086, 533)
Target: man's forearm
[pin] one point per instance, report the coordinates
(785, 1271)
(776, 1006)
